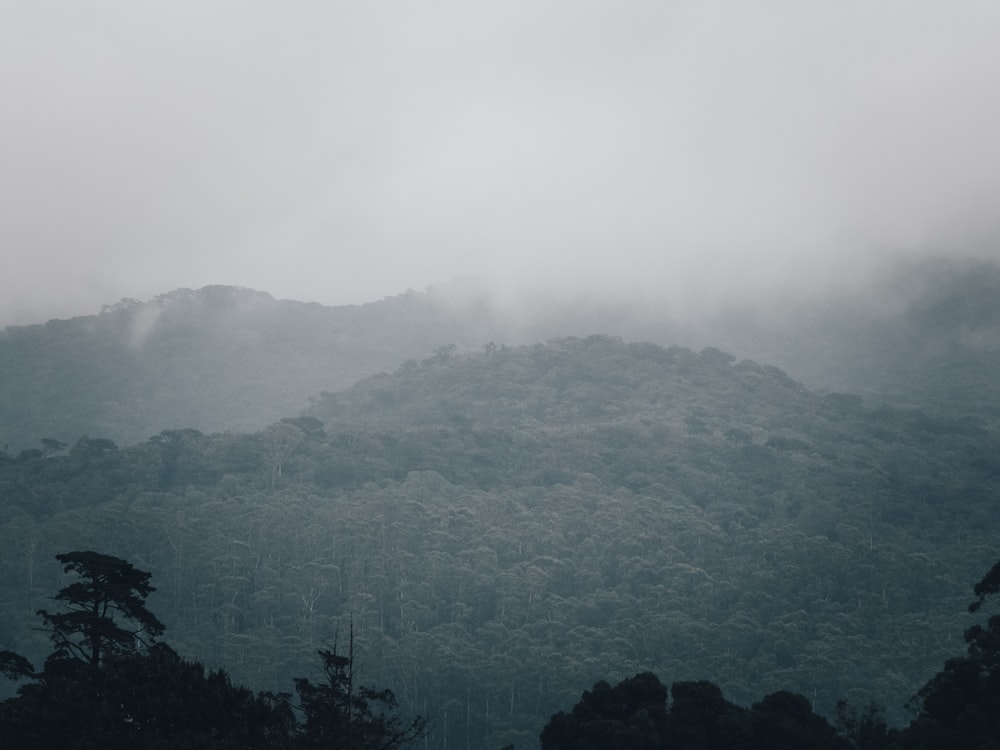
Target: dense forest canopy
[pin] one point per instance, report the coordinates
(508, 525)
(101, 688)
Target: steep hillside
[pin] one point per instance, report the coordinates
(507, 526)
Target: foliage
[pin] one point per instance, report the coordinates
(126, 698)
(635, 715)
(865, 729)
(14, 666)
(960, 705)
(504, 527)
(152, 700)
(109, 587)
(340, 713)
(631, 715)
(156, 699)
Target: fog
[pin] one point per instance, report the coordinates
(342, 152)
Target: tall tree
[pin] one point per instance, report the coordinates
(106, 609)
(101, 690)
(341, 715)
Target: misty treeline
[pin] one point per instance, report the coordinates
(108, 683)
(507, 526)
(231, 359)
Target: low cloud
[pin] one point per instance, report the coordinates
(342, 153)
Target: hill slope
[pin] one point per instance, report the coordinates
(222, 358)
(510, 526)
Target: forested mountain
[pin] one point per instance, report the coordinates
(221, 358)
(507, 526)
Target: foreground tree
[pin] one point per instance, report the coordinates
(14, 666)
(341, 715)
(866, 728)
(960, 705)
(109, 686)
(106, 609)
(146, 700)
(634, 715)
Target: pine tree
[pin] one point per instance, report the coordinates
(106, 609)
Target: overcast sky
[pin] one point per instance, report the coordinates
(346, 151)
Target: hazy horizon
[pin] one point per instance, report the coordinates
(699, 151)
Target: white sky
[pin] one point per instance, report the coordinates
(346, 151)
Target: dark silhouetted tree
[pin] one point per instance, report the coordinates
(960, 705)
(106, 609)
(630, 715)
(108, 686)
(14, 666)
(785, 721)
(146, 700)
(866, 729)
(702, 719)
(341, 715)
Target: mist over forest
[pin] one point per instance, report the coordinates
(511, 503)
(500, 375)
(925, 335)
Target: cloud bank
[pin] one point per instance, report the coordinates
(342, 152)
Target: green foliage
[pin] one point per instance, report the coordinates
(507, 526)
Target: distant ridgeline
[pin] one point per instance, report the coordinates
(220, 358)
(508, 526)
(223, 358)
(926, 336)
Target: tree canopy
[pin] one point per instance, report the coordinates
(152, 697)
(509, 526)
(636, 714)
(339, 712)
(106, 609)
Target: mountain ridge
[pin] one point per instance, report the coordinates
(227, 358)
